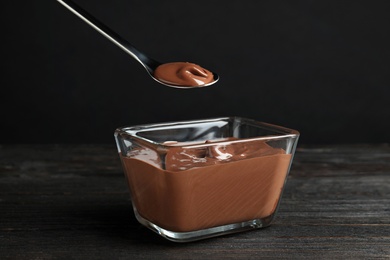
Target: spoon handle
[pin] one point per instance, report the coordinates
(147, 62)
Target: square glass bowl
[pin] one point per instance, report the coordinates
(196, 179)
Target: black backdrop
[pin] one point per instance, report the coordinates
(321, 67)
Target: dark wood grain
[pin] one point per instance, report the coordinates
(71, 202)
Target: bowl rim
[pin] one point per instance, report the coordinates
(280, 132)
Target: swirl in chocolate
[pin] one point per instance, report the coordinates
(183, 74)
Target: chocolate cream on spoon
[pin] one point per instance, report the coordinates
(183, 74)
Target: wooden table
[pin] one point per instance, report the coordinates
(71, 202)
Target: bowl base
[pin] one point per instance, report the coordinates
(205, 233)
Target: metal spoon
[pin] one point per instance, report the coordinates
(149, 64)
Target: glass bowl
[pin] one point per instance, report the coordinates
(196, 179)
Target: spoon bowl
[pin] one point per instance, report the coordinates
(148, 63)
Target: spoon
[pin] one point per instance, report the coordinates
(148, 63)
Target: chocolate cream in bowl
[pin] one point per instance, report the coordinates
(209, 186)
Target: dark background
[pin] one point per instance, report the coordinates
(321, 67)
